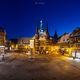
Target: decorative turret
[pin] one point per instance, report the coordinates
(47, 33)
(41, 26)
(37, 39)
(36, 29)
(37, 33)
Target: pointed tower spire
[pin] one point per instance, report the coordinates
(47, 33)
(36, 28)
(41, 26)
(55, 36)
(37, 33)
(46, 27)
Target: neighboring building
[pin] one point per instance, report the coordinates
(24, 43)
(70, 43)
(13, 44)
(64, 42)
(75, 43)
(64, 38)
(2, 39)
(21, 44)
(2, 36)
(75, 38)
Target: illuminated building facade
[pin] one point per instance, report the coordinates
(64, 38)
(13, 44)
(75, 43)
(70, 43)
(24, 44)
(2, 36)
(2, 40)
(75, 38)
(64, 42)
(42, 39)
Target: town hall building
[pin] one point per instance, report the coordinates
(42, 39)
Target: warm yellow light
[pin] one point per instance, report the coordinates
(26, 47)
(12, 46)
(67, 50)
(16, 46)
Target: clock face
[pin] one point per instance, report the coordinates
(42, 34)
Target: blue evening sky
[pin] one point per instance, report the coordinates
(19, 17)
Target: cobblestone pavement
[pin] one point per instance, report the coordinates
(41, 67)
